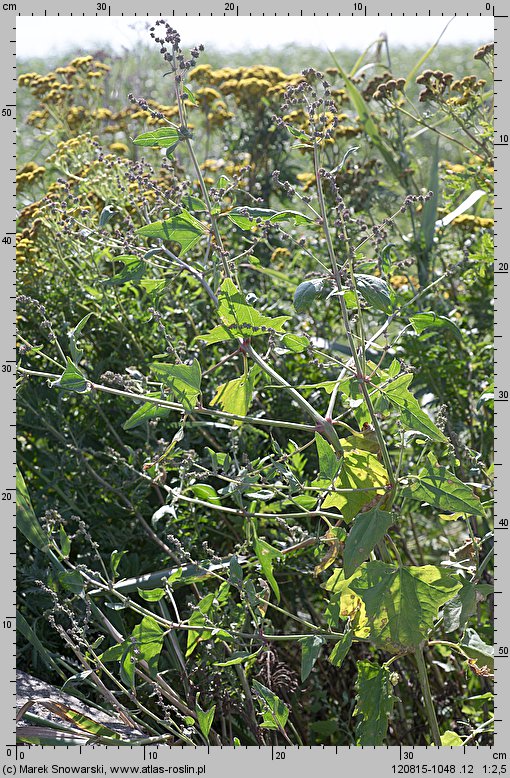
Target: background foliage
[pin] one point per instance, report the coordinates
(255, 407)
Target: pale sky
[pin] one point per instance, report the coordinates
(43, 36)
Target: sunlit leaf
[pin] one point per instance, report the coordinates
(431, 320)
(145, 412)
(266, 555)
(412, 415)
(71, 380)
(183, 229)
(341, 649)
(402, 602)
(161, 138)
(440, 488)
(247, 218)
(205, 719)
(362, 471)
(133, 270)
(236, 396)
(450, 738)
(183, 380)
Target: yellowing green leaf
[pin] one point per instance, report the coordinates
(402, 602)
(362, 471)
(452, 516)
(450, 738)
(235, 396)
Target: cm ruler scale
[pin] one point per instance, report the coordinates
(281, 760)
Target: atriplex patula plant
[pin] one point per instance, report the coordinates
(301, 454)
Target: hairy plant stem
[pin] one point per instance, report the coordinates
(427, 696)
(345, 317)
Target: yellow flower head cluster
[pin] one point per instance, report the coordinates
(28, 174)
(468, 221)
(56, 87)
(307, 180)
(247, 85)
(280, 257)
(119, 148)
(452, 167)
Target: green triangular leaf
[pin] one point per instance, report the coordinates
(329, 464)
(144, 413)
(440, 488)
(72, 379)
(162, 138)
(367, 530)
(274, 711)
(310, 650)
(183, 229)
(205, 719)
(412, 416)
(133, 270)
(183, 380)
(341, 649)
(374, 703)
